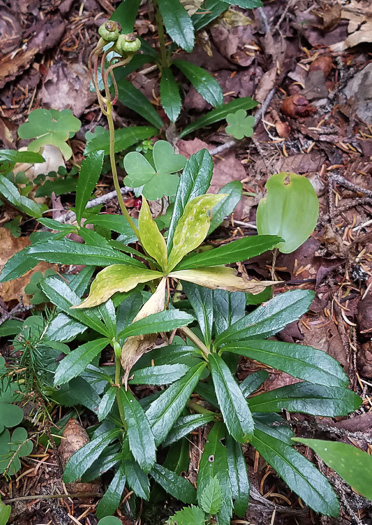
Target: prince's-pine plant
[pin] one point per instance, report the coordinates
(108, 341)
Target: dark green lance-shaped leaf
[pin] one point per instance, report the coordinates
(77, 392)
(290, 210)
(227, 205)
(317, 400)
(211, 498)
(140, 436)
(84, 457)
(177, 23)
(228, 308)
(158, 375)
(137, 479)
(116, 223)
(170, 95)
(218, 114)
(269, 318)
(124, 138)
(164, 321)
(10, 157)
(17, 265)
(299, 361)
(351, 463)
(64, 329)
(126, 14)
(238, 475)
(178, 487)
(203, 82)
(211, 10)
(112, 497)
(61, 295)
(195, 180)
(234, 408)
(91, 168)
(247, 4)
(106, 403)
(10, 192)
(265, 423)
(253, 382)
(214, 463)
(52, 224)
(239, 250)
(201, 300)
(135, 100)
(166, 409)
(300, 475)
(70, 252)
(186, 424)
(77, 360)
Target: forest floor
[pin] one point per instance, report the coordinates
(308, 63)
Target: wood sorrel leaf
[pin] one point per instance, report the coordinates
(192, 228)
(290, 209)
(116, 278)
(221, 277)
(351, 463)
(151, 238)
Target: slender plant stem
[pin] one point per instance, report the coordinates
(195, 339)
(118, 386)
(159, 23)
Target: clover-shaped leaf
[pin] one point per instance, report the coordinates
(49, 126)
(239, 124)
(33, 288)
(12, 449)
(160, 180)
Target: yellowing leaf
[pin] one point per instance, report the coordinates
(134, 347)
(151, 238)
(116, 278)
(222, 278)
(192, 228)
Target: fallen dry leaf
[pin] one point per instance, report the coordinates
(297, 106)
(15, 289)
(74, 438)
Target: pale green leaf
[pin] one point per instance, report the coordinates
(151, 238)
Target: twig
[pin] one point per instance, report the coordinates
(16, 310)
(54, 496)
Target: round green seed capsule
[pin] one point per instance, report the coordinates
(109, 31)
(127, 44)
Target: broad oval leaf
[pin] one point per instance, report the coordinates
(116, 278)
(177, 23)
(300, 475)
(151, 238)
(192, 227)
(235, 251)
(299, 361)
(90, 171)
(306, 398)
(170, 95)
(290, 210)
(140, 436)
(203, 82)
(77, 360)
(269, 318)
(351, 463)
(234, 408)
(175, 485)
(166, 409)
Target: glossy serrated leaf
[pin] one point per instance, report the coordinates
(234, 408)
(192, 227)
(170, 97)
(269, 318)
(137, 479)
(76, 361)
(134, 99)
(124, 139)
(85, 456)
(164, 321)
(233, 191)
(158, 375)
(300, 475)
(116, 278)
(228, 308)
(194, 181)
(299, 361)
(178, 487)
(252, 382)
(211, 10)
(106, 403)
(211, 498)
(290, 210)
(17, 266)
(218, 114)
(238, 475)
(306, 398)
(10, 192)
(206, 85)
(186, 424)
(247, 4)
(151, 238)
(166, 409)
(188, 516)
(235, 251)
(10, 157)
(90, 171)
(112, 497)
(177, 23)
(351, 463)
(201, 300)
